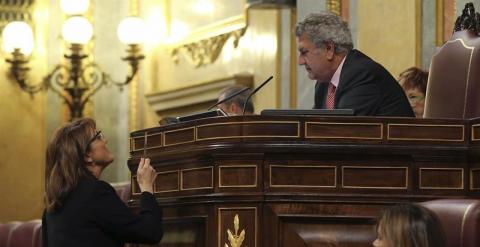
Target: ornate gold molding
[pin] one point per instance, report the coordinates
(235, 239)
(15, 10)
(204, 45)
(334, 6)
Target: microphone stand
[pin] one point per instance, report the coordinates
(253, 92)
(228, 98)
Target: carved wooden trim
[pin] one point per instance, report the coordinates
(462, 178)
(244, 123)
(403, 187)
(219, 213)
(177, 172)
(473, 180)
(253, 185)
(309, 125)
(182, 172)
(415, 129)
(324, 167)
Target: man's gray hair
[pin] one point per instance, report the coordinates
(239, 99)
(326, 27)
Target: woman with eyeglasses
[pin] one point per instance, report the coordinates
(82, 210)
(414, 83)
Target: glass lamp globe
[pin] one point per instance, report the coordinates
(74, 7)
(77, 30)
(132, 30)
(18, 35)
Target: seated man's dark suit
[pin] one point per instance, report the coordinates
(367, 88)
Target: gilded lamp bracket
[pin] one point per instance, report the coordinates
(78, 78)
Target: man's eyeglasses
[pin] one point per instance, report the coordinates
(98, 136)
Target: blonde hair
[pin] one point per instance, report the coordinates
(410, 225)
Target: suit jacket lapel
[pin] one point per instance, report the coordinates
(320, 95)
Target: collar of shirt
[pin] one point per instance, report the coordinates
(336, 77)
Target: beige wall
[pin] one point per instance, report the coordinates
(22, 135)
(257, 54)
(386, 31)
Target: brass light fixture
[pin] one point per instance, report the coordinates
(78, 79)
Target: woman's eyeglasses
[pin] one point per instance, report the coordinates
(415, 98)
(98, 135)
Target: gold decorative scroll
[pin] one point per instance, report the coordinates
(334, 6)
(235, 239)
(204, 46)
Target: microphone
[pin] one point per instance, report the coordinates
(253, 92)
(228, 98)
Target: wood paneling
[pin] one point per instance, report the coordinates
(441, 178)
(167, 181)
(239, 222)
(303, 176)
(343, 130)
(292, 189)
(475, 179)
(365, 177)
(416, 132)
(154, 140)
(197, 178)
(180, 136)
(248, 129)
(237, 176)
(327, 231)
(475, 135)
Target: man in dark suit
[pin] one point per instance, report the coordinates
(346, 78)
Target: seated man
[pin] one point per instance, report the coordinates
(346, 78)
(234, 106)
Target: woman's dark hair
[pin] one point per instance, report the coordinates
(414, 78)
(410, 225)
(65, 162)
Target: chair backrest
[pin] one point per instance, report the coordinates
(460, 219)
(124, 190)
(26, 234)
(453, 88)
(127, 193)
(5, 232)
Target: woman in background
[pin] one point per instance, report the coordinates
(409, 225)
(82, 210)
(414, 83)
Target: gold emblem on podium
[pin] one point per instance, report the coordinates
(235, 239)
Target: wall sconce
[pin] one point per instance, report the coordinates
(79, 79)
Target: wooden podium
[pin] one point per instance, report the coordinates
(258, 181)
